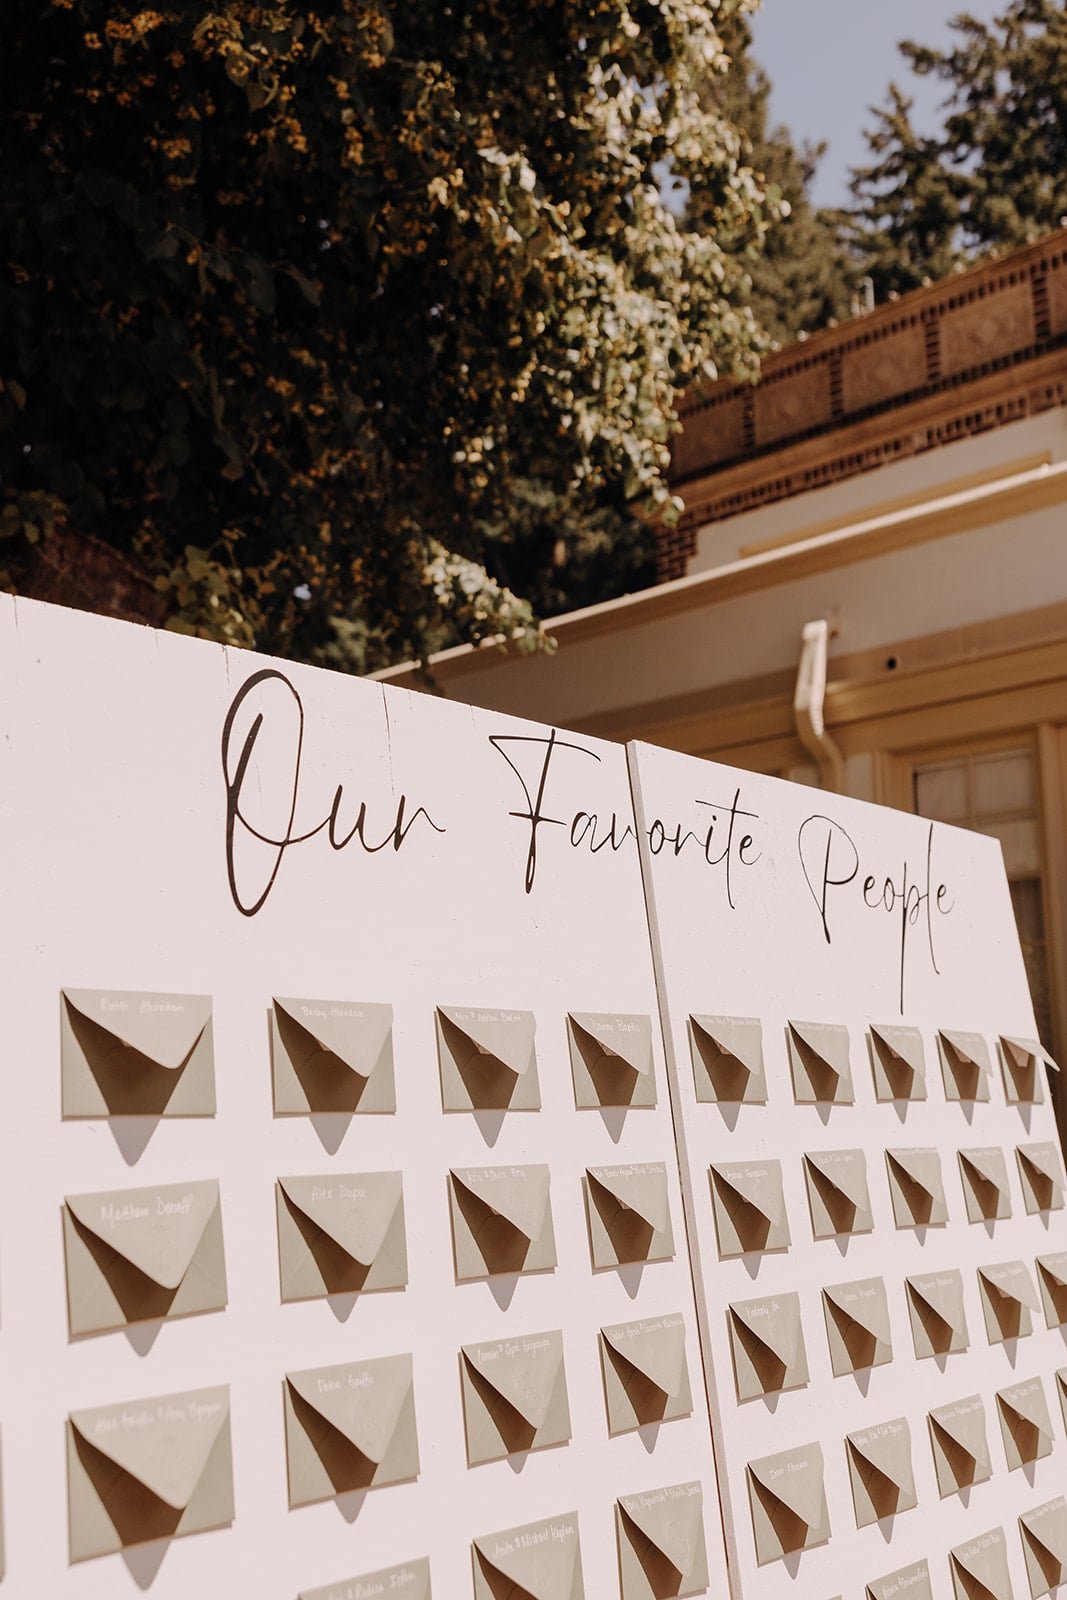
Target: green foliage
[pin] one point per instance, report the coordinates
(333, 318)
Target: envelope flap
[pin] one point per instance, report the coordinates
(985, 1560)
(863, 1302)
(1047, 1526)
(988, 1164)
(1022, 1053)
(507, 1036)
(739, 1037)
(970, 1048)
(363, 1400)
(942, 1292)
(846, 1170)
(163, 1442)
(795, 1477)
(1028, 1401)
(352, 1031)
(1043, 1158)
(964, 1422)
(904, 1044)
(628, 1036)
(1055, 1267)
(355, 1209)
(1011, 1279)
(671, 1519)
(641, 1187)
(887, 1448)
(519, 1194)
(923, 1167)
(774, 1321)
(540, 1558)
(163, 1027)
(526, 1376)
(826, 1041)
(158, 1230)
(655, 1347)
(759, 1183)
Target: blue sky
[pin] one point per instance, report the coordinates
(829, 60)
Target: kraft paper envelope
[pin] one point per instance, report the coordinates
(728, 1059)
(879, 1469)
(1052, 1277)
(611, 1059)
(820, 1063)
(907, 1583)
(332, 1056)
(661, 1543)
(985, 1184)
(629, 1214)
(409, 1581)
(980, 1568)
(1025, 1424)
(501, 1221)
(916, 1189)
(965, 1065)
(837, 1192)
(857, 1325)
(128, 1053)
(767, 1345)
(487, 1059)
(788, 1503)
(1021, 1061)
(1042, 1177)
(959, 1445)
(1008, 1297)
(1044, 1539)
(349, 1427)
(540, 1561)
(149, 1469)
(341, 1233)
(898, 1061)
(749, 1206)
(514, 1395)
(646, 1375)
(935, 1306)
(137, 1254)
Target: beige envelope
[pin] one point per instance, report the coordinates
(965, 1065)
(1021, 1063)
(541, 1560)
(332, 1056)
(349, 1427)
(487, 1059)
(661, 1545)
(749, 1206)
(1061, 1385)
(501, 1221)
(879, 1469)
(728, 1059)
(1025, 1424)
(898, 1061)
(935, 1306)
(1042, 1177)
(646, 1376)
(959, 1445)
(907, 1583)
(1044, 1537)
(128, 1053)
(629, 1214)
(611, 1059)
(1052, 1279)
(137, 1254)
(980, 1568)
(916, 1189)
(820, 1063)
(985, 1184)
(409, 1581)
(837, 1192)
(341, 1233)
(767, 1345)
(1008, 1297)
(857, 1325)
(788, 1502)
(148, 1469)
(514, 1396)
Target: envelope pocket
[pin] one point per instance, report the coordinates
(837, 1192)
(820, 1064)
(409, 1581)
(501, 1221)
(136, 1054)
(134, 1255)
(1025, 1424)
(1041, 1173)
(907, 1583)
(487, 1059)
(148, 1469)
(787, 1500)
(1021, 1065)
(349, 1427)
(540, 1560)
(916, 1188)
(661, 1544)
(985, 1184)
(1052, 1278)
(1008, 1297)
(898, 1062)
(1044, 1539)
(341, 1233)
(857, 1325)
(628, 1210)
(332, 1056)
(749, 1206)
(728, 1065)
(767, 1345)
(935, 1306)
(980, 1568)
(514, 1396)
(959, 1445)
(879, 1467)
(611, 1059)
(646, 1375)
(965, 1065)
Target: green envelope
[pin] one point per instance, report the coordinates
(935, 1306)
(332, 1056)
(879, 1469)
(134, 1255)
(646, 1376)
(629, 1214)
(660, 1536)
(916, 1188)
(858, 1329)
(1008, 1298)
(838, 1197)
(611, 1059)
(985, 1184)
(341, 1233)
(514, 1396)
(149, 1469)
(748, 1204)
(727, 1057)
(907, 1583)
(1052, 1278)
(1025, 1424)
(409, 1581)
(487, 1059)
(767, 1345)
(959, 1445)
(1041, 1172)
(1044, 1537)
(965, 1065)
(898, 1062)
(349, 1427)
(501, 1221)
(787, 1499)
(131, 1053)
(979, 1568)
(537, 1561)
(820, 1063)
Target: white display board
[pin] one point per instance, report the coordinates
(179, 822)
(774, 905)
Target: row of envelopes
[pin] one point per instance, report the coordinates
(133, 1053)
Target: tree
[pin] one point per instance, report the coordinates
(328, 326)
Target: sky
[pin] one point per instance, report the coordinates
(829, 60)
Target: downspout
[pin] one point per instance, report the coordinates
(808, 702)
